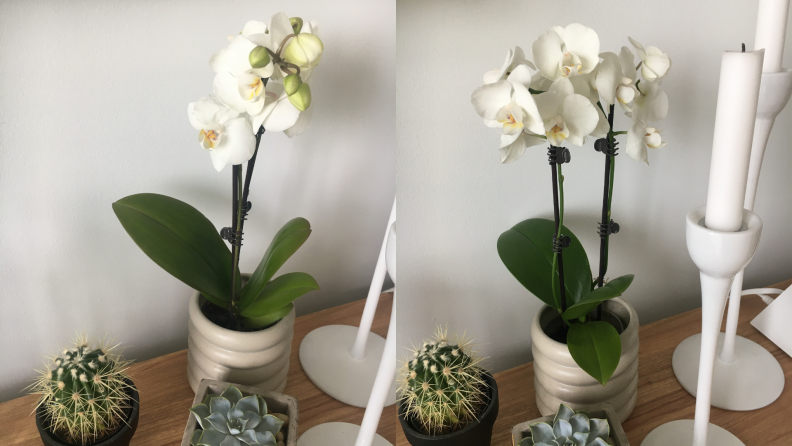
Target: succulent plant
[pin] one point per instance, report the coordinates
(443, 389)
(229, 419)
(569, 428)
(84, 392)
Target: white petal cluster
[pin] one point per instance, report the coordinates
(568, 88)
(247, 97)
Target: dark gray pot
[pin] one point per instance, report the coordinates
(478, 433)
(122, 437)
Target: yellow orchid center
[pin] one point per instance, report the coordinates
(570, 64)
(558, 132)
(510, 122)
(208, 139)
(255, 88)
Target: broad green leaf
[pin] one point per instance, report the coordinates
(527, 251)
(267, 319)
(596, 348)
(285, 243)
(614, 288)
(280, 292)
(181, 240)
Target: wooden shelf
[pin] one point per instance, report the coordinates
(165, 395)
(660, 397)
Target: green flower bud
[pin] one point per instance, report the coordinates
(296, 23)
(301, 99)
(291, 84)
(259, 57)
(304, 50)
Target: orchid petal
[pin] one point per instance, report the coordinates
(547, 54)
(583, 42)
(603, 126)
(283, 116)
(533, 119)
(302, 123)
(254, 27)
(609, 75)
(563, 86)
(512, 148)
(580, 116)
(627, 61)
(635, 146)
(521, 74)
(488, 99)
(280, 27)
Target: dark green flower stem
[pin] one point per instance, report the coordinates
(607, 199)
(558, 211)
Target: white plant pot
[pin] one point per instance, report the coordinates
(558, 379)
(257, 358)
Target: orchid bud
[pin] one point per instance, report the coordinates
(296, 23)
(301, 99)
(292, 83)
(304, 50)
(259, 57)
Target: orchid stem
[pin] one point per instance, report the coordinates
(558, 213)
(607, 199)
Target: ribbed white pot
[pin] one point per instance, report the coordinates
(558, 379)
(257, 359)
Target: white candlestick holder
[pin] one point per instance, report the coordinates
(343, 360)
(746, 376)
(719, 256)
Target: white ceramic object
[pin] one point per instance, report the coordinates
(342, 360)
(335, 434)
(558, 379)
(773, 321)
(390, 253)
(257, 359)
(680, 433)
(735, 386)
(719, 256)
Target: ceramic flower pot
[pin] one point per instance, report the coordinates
(256, 358)
(559, 380)
(121, 437)
(277, 403)
(478, 433)
(603, 411)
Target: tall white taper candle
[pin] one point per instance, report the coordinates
(771, 24)
(735, 114)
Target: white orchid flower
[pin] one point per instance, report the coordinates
(563, 52)
(279, 35)
(567, 116)
(650, 105)
(228, 136)
(510, 108)
(278, 113)
(655, 63)
(515, 60)
(237, 83)
(615, 80)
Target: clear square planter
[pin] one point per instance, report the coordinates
(604, 410)
(276, 403)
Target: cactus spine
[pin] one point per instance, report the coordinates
(443, 388)
(84, 392)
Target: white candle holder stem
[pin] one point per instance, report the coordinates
(343, 360)
(719, 256)
(746, 375)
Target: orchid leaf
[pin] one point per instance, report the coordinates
(280, 292)
(596, 348)
(527, 251)
(613, 288)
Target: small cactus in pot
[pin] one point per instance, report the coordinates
(443, 388)
(85, 393)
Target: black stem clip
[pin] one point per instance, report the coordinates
(607, 229)
(558, 155)
(245, 209)
(560, 243)
(604, 146)
(234, 238)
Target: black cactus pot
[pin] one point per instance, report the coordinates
(121, 437)
(478, 433)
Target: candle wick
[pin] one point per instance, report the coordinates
(743, 47)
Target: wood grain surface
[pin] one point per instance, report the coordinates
(660, 397)
(165, 395)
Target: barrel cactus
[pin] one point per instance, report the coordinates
(84, 392)
(443, 388)
(231, 419)
(569, 428)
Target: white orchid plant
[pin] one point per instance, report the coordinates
(260, 84)
(568, 93)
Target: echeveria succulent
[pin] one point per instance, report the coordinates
(229, 419)
(569, 429)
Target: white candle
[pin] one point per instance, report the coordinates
(735, 114)
(771, 26)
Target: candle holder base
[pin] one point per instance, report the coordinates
(680, 433)
(336, 434)
(326, 359)
(754, 380)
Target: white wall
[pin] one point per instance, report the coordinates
(93, 107)
(455, 198)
